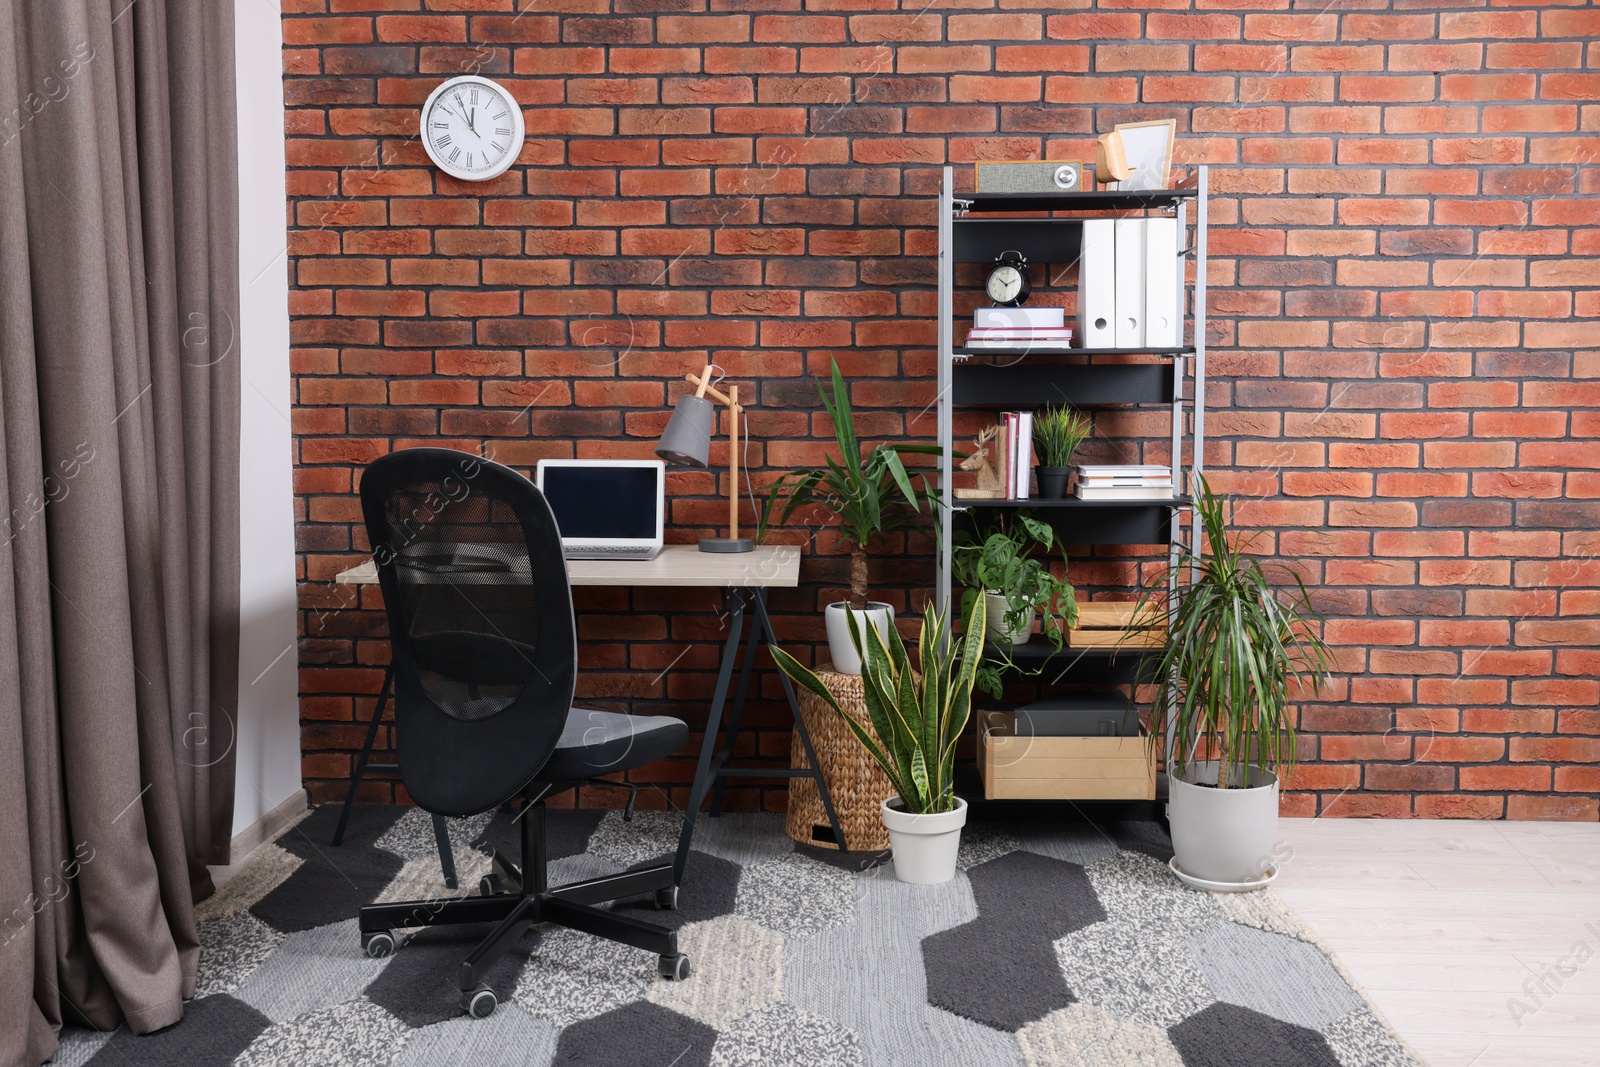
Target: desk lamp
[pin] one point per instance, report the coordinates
(687, 443)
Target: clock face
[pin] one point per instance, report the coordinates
(1005, 285)
(472, 128)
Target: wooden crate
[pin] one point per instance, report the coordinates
(1061, 768)
(1111, 625)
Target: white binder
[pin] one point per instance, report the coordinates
(1097, 286)
(1129, 330)
(1163, 317)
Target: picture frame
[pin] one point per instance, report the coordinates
(1149, 151)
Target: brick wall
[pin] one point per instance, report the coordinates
(1406, 284)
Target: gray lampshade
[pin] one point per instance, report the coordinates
(687, 440)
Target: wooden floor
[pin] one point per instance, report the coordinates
(1450, 927)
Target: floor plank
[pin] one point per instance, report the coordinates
(1459, 932)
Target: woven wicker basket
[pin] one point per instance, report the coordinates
(856, 785)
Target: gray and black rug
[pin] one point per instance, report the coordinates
(1070, 945)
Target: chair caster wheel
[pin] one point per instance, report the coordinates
(378, 945)
(673, 968)
(487, 886)
(480, 1003)
(667, 899)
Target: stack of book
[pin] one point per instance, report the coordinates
(1152, 481)
(1014, 463)
(1018, 328)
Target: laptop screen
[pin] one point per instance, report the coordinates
(602, 501)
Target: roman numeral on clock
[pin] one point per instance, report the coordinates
(497, 146)
(455, 153)
(443, 142)
(469, 159)
(503, 131)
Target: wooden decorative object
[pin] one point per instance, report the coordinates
(1061, 768)
(1110, 158)
(856, 784)
(982, 461)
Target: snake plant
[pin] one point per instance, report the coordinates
(915, 717)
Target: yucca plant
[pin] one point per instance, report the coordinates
(1236, 639)
(916, 715)
(870, 496)
(1057, 433)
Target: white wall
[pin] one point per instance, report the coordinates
(269, 716)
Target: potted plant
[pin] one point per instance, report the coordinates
(869, 497)
(1057, 433)
(916, 717)
(1005, 565)
(1236, 640)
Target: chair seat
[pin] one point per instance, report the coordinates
(596, 743)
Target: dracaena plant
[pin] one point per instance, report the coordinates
(916, 716)
(869, 497)
(1237, 638)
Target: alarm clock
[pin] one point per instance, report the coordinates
(1008, 280)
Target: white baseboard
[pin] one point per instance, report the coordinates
(267, 827)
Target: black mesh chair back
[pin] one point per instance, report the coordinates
(481, 627)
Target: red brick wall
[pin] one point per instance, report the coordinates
(1406, 349)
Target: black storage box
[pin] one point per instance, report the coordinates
(1098, 713)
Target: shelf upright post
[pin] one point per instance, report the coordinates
(946, 311)
(1197, 467)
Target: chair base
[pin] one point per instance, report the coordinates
(526, 901)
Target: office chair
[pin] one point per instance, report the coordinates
(485, 662)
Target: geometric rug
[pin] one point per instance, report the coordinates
(1061, 944)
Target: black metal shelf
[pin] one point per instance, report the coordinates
(1078, 384)
(1107, 200)
(1073, 502)
(1091, 522)
(1074, 666)
(962, 352)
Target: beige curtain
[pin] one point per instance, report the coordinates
(119, 393)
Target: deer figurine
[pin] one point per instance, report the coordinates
(982, 460)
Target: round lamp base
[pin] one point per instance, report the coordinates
(727, 544)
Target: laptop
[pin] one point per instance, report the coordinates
(606, 508)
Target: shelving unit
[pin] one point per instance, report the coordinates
(976, 229)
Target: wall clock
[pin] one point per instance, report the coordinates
(472, 128)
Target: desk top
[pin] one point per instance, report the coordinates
(678, 566)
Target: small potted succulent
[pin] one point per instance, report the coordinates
(869, 496)
(1057, 433)
(916, 716)
(1237, 637)
(1007, 566)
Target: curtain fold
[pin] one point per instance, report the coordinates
(119, 398)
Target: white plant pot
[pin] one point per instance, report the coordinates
(994, 621)
(838, 615)
(924, 846)
(1223, 835)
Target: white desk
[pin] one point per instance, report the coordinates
(680, 566)
(746, 576)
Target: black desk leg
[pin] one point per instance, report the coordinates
(746, 672)
(366, 754)
(764, 622)
(702, 773)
